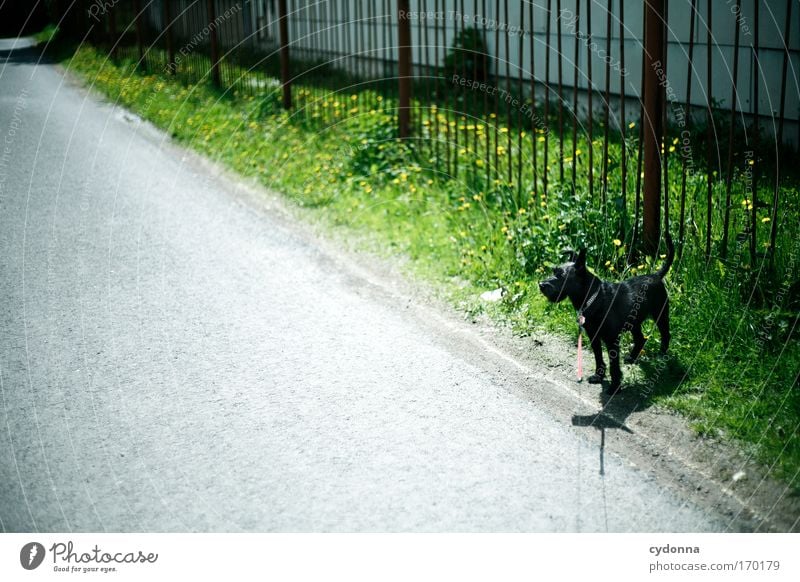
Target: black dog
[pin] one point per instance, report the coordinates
(608, 309)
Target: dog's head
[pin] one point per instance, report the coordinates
(569, 278)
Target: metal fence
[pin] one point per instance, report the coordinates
(637, 108)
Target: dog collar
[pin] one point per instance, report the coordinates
(588, 304)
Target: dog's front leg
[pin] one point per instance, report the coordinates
(599, 364)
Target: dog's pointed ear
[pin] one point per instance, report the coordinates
(580, 260)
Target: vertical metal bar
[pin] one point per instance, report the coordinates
(371, 45)
(688, 118)
(348, 60)
(460, 54)
(710, 131)
(445, 100)
(212, 37)
(137, 8)
(590, 122)
(623, 122)
(486, 103)
(734, 98)
(474, 94)
(575, 81)
(652, 123)
(509, 125)
(756, 139)
(534, 137)
(560, 95)
(286, 76)
(404, 69)
(495, 108)
(774, 215)
(639, 152)
(388, 66)
(359, 42)
(545, 170)
(112, 30)
(520, 92)
(427, 85)
(168, 36)
(436, 83)
(664, 107)
(607, 109)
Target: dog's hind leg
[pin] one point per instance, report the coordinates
(662, 321)
(616, 372)
(600, 365)
(638, 344)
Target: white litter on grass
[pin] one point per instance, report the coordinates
(738, 476)
(493, 296)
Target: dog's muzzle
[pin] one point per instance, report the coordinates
(549, 290)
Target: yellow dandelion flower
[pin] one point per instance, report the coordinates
(765, 219)
(617, 242)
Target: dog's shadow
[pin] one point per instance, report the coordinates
(658, 376)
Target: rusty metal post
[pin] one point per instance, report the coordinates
(404, 68)
(283, 31)
(653, 122)
(734, 99)
(212, 37)
(781, 118)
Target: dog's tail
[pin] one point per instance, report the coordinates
(662, 272)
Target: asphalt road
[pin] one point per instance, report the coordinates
(174, 359)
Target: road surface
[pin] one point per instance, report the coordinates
(173, 358)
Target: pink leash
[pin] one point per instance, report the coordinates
(581, 321)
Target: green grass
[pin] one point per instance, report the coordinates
(47, 34)
(734, 369)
